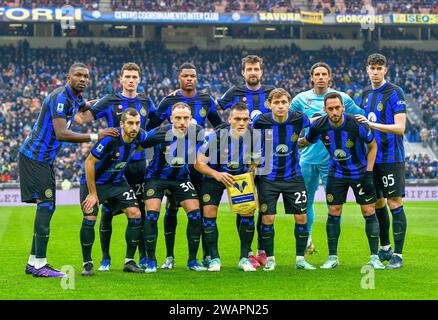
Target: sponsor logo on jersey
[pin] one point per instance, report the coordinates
(372, 117)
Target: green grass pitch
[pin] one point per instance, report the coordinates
(418, 279)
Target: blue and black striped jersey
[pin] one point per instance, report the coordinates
(111, 107)
(256, 100)
(42, 144)
(279, 145)
(346, 145)
(202, 106)
(229, 153)
(114, 154)
(380, 106)
(172, 153)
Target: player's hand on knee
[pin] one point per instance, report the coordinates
(113, 132)
(90, 201)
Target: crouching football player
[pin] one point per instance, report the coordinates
(104, 182)
(351, 165)
(229, 151)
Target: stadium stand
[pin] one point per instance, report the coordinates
(241, 6)
(27, 75)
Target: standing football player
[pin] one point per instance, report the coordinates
(37, 154)
(255, 95)
(314, 160)
(385, 110)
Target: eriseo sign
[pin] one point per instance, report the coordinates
(40, 14)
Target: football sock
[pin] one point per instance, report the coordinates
(150, 233)
(40, 262)
(205, 248)
(372, 231)
(105, 231)
(141, 246)
(31, 260)
(170, 223)
(87, 238)
(211, 235)
(398, 228)
(132, 236)
(267, 236)
(42, 227)
(384, 224)
(246, 235)
(301, 235)
(333, 229)
(194, 230)
(259, 233)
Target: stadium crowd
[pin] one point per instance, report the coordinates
(245, 6)
(27, 75)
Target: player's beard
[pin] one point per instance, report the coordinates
(253, 83)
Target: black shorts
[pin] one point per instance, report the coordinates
(37, 180)
(389, 179)
(196, 179)
(179, 190)
(337, 189)
(115, 196)
(294, 195)
(211, 192)
(134, 173)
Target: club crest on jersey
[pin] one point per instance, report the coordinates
(294, 137)
(241, 187)
(60, 107)
(266, 104)
(380, 106)
(143, 112)
(372, 117)
(206, 197)
(203, 112)
(330, 197)
(349, 143)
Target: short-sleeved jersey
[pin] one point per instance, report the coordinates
(229, 153)
(114, 154)
(202, 106)
(380, 106)
(173, 154)
(346, 145)
(42, 144)
(279, 145)
(256, 100)
(310, 103)
(111, 107)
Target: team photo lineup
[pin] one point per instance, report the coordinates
(218, 150)
(286, 144)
